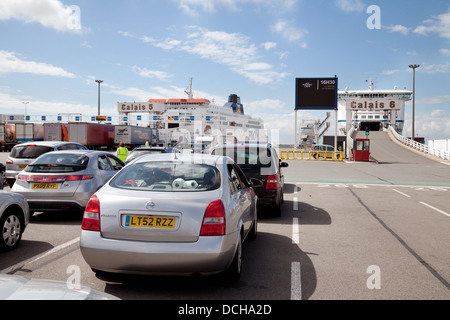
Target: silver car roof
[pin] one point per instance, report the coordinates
(46, 143)
(212, 160)
(90, 152)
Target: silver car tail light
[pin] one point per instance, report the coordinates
(214, 220)
(91, 217)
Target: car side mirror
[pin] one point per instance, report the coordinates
(284, 164)
(256, 183)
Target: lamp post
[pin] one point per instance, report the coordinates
(26, 104)
(99, 82)
(413, 66)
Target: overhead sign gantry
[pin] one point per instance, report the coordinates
(316, 94)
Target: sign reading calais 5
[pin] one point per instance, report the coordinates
(139, 107)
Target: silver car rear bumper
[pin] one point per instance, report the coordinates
(208, 255)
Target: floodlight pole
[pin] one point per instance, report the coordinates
(99, 82)
(413, 66)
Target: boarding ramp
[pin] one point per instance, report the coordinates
(385, 149)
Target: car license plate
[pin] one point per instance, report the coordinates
(22, 166)
(149, 222)
(45, 186)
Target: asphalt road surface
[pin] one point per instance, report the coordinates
(348, 231)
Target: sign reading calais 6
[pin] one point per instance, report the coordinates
(373, 105)
(139, 107)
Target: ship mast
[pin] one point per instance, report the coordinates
(371, 84)
(188, 90)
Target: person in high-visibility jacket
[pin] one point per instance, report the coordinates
(147, 143)
(122, 152)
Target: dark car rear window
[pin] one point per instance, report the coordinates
(29, 152)
(247, 157)
(168, 177)
(58, 163)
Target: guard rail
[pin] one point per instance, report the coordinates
(419, 146)
(311, 155)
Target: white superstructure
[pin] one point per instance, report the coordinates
(372, 109)
(183, 120)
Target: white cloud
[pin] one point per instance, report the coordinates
(192, 7)
(444, 52)
(10, 63)
(440, 24)
(269, 45)
(435, 68)
(135, 93)
(9, 102)
(233, 50)
(435, 100)
(159, 92)
(270, 105)
(433, 125)
(290, 32)
(160, 75)
(390, 72)
(398, 28)
(49, 13)
(350, 5)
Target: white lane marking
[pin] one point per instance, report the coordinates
(21, 264)
(296, 281)
(360, 185)
(404, 194)
(436, 209)
(295, 204)
(295, 231)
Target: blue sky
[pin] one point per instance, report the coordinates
(52, 51)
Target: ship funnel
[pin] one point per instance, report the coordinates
(234, 102)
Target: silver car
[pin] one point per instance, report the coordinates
(15, 287)
(65, 180)
(24, 153)
(171, 214)
(14, 218)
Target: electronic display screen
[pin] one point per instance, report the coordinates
(316, 93)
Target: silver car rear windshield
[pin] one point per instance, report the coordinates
(168, 177)
(58, 163)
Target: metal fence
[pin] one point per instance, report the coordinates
(311, 155)
(421, 147)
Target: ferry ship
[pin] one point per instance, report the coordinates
(184, 120)
(372, 109)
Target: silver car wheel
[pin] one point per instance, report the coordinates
(233, 273)
(11, 230)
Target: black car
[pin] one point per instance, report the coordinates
(259, 161)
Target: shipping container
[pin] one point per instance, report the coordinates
(92, 135)
(38, 132)
(56, 132)
(132, 136)
(24, 132)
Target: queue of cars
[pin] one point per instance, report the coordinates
(163, 213)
